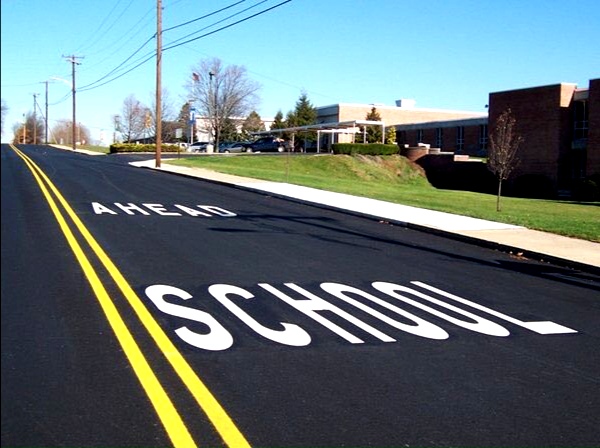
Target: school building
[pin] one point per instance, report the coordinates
(560, 126)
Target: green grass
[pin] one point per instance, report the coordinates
(394, 179)
(102, 149)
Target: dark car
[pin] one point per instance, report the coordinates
(268, 144)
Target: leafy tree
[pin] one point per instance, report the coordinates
(374, 134)
(504, 145)
(221, 92)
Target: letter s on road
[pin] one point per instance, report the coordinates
(218, 338)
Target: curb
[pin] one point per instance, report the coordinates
(514, 250)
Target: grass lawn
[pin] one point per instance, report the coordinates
(394, 179)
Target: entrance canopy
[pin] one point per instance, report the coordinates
(333, 128)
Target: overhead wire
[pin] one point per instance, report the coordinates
(144, 58)
(123, 39)
(174, 44)
(97, 32)
(203, 17)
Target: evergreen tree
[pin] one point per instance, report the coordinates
(390, 135)
(252, 123)
(304, 114)
(229, 132)
(374, 134)
(278, 122)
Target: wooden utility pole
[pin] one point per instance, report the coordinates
(46, 117)
(73, 60)
(158, 81)
(34, 118)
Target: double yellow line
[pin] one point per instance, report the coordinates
(168, 414)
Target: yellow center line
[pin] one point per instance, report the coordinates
(162, 403)
(205, 399)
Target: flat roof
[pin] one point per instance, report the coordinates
(337, 126)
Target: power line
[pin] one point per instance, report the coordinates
(230, 25)
(97, 33)
(203, 17)
(123, 40)
(150, 56)
(90, 86)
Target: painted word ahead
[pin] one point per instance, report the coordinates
(147, 209)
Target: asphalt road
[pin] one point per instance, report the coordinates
(141, 308)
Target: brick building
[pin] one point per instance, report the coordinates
(407, 119)
(560, 125)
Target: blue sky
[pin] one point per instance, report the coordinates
(444, 54)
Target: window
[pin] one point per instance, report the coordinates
(460, 138)
(580, 120)
(483, 136)
(419, 136)
(401, 137)
(439, 137)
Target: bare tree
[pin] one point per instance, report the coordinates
(133, 119)
(25, 132)
(169, 117)
(62, 133)
(4, 112)
(504, 145)
(221, 93)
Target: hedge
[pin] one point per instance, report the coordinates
(151, 147)
(372, 149)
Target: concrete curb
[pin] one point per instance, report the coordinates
(501, 247)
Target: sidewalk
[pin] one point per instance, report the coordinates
(543, 246)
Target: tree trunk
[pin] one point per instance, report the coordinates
(498, 208)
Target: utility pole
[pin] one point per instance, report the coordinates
(158, 81)
(46, 118)
(73, 60)
(34, 118)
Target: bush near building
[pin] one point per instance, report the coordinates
(133, 147)
(372, 149)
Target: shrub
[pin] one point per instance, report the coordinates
(372, 149)
(533, 186)
(133, 147)
(587, 190)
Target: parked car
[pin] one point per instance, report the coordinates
(227, 147)
(198, 147)
(269, 144)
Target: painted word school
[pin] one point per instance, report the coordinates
(238, 301)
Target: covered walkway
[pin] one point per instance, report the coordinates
(351, 127)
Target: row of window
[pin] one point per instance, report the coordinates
(439, 137)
